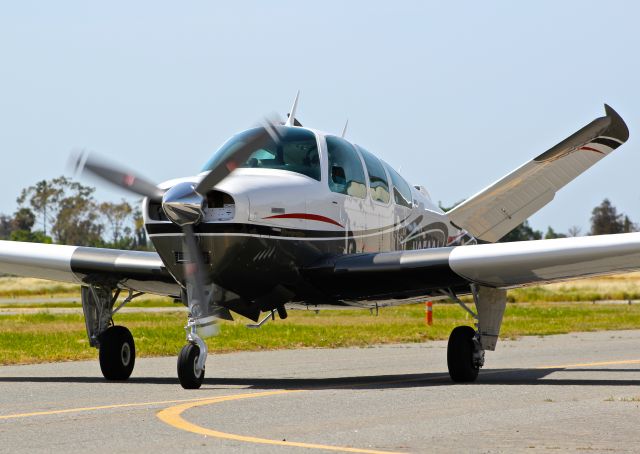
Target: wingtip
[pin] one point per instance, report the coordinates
(618, 128)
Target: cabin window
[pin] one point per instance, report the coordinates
(378, 184)
(401, 189)
(296, 151)
(346, 175)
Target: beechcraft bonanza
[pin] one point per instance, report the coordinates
(288, 217)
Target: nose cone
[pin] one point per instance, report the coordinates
(183, 205)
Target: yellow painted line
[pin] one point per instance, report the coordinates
(101, 407)
(173, 417)
(602, 363)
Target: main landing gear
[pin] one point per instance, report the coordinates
(466, 347)
(465, 356)
(117, 353)
(117, 350)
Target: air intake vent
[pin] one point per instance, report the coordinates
(156, 212)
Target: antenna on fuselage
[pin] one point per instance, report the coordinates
(291, 121)
(344, 130)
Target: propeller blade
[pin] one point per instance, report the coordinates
(196, 280)
(235, 157)
(117, 176)
(194, 272)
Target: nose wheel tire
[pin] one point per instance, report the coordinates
(188, 374)
(117, 353)
(460, 355)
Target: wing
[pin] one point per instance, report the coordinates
(498, 209)
(502, 265)
(135, 270)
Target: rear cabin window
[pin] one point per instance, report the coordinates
(346, 175)
(401, 189)
(378, 184)
(296, 151)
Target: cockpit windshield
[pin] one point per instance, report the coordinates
(297, 151)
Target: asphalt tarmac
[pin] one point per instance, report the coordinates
(576, 392)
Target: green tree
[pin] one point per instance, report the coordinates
(524, 232)
(24, 219)
(43, 197)
(77, 221)
(21, 225)
(116, 215)
(605, 220)
(6, 226)
(628, 226)
(139, 232)
(551, 234)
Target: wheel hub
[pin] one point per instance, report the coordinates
(125, 354)
(196, 371)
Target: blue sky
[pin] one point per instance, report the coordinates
(453, 94)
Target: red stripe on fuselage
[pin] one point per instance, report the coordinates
(306, 216)
(591, 149)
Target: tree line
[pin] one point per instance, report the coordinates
(605, 220)
(66, 212)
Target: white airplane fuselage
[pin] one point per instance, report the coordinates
(263, 225)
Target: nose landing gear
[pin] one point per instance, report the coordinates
(189, 374)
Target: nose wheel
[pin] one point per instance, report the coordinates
(464, 355)
(189, 374)
(117, 353)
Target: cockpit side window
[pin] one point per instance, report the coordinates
(378, 184)
(296, 151)
(346, 175)
(401, 189)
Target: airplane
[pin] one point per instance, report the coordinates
(287, 217)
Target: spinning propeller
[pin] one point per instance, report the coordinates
(183, 203)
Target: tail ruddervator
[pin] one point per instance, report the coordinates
(496, 210)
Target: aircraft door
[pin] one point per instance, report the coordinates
(347, 183)
(402, 201)
(379, 209)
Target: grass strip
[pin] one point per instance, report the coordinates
(42, 337)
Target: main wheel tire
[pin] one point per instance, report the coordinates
(187, 360)
(117, 353)
(460, 355)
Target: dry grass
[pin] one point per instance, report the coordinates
(615, 287)
(15, 287)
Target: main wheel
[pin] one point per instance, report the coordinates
(188, 374)
(462, 368)
(117, 353)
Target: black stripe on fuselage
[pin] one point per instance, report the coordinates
(255, 229)
(611, 143)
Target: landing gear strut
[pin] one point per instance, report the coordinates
(466, 347)
(117, 350)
